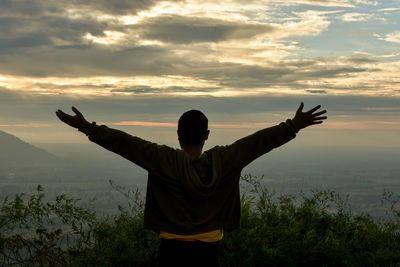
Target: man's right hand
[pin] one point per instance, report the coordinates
(77, 121)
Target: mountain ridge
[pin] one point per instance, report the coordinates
(15, 151)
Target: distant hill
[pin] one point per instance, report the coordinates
(15, 152)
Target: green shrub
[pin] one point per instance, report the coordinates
(38, 233)
(121, 240)
(317, 229)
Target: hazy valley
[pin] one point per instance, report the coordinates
(84, 171)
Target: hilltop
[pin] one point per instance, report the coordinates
(16, 152)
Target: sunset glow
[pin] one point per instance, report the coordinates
(212, 55)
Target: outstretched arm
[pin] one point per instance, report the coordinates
(247, 149)
(77, 121)
(304, 119)
(147, 155)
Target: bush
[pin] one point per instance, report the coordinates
(38, 233)
(121, 240)
(318, 229)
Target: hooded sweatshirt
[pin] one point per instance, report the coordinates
(188, 196)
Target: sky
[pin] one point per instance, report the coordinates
(138, 65)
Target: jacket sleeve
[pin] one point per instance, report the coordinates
(236, 156)
(148, 155)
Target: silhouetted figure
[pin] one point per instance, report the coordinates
(192, 197)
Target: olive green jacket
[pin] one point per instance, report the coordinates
(189, 196)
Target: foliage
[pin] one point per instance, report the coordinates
(38, 233)
(121, 240)
(316, 229)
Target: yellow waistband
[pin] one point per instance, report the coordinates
(212, 236)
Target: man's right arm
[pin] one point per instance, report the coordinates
(147, 155)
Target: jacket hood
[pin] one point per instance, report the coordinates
(201, 178)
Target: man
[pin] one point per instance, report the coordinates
(192, 197)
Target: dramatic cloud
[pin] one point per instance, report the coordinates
(199, 77)
(54, 41)
(44, 7)
(114, 50)
(138, 65)
(179, 29)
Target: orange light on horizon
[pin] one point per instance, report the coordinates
(362, 125)
(145, 123)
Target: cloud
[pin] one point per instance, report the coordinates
(47, 31)
(317, 91)
(145, 89)
(245, 63)
(362, 33)
(357, 17)
(180, 29)
(87, 61)
(284, 73)
(9, 96)
(307, 23)
(320, 2)
(261, 108)
(54, 41)
(361, 59)
(27, 41)
(388, 9)
(327, 3)
(191, 51)
(393, 37)
(382, 109)
(195, 76)
(44, 7)
(24, 8)
(366, 2)
(115, 6)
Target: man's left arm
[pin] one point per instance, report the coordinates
(249, 148)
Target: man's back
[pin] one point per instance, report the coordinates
(188, 196)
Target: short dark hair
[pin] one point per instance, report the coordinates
(192, 127)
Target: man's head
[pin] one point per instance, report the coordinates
(193, 128)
